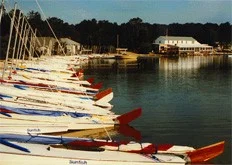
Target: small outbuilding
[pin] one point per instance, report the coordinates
(47, 45)
(70, 47)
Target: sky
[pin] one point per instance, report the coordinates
(121, 11)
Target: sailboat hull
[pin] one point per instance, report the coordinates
(43, 154)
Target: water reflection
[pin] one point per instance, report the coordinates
(194, 62)
(161, 63)
(111, 64)
(117, 132)
(185, 100)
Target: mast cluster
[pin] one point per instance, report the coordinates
(25, 40)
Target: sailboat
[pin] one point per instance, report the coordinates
(44, 149)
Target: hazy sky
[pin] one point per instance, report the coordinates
(121, 11)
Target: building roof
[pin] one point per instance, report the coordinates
(44, 41)
(177, 38)
(193, 46)
(121, 49)
(69, 41)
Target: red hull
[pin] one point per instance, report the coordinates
(204, 154)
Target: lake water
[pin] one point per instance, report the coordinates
(185, 100)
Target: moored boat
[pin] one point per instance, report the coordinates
(29, 153)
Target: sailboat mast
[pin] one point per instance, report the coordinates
(117, 40)
(1, 11)
(8, 47)
(117, 43)
(23, 40)
(34, 42)
(15, 42)
(30, 45)
(20, 42)
(25, 44)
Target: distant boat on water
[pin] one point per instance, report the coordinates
(122, 52)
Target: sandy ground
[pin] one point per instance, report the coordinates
(1, 64)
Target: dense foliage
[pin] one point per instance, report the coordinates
(135, 35)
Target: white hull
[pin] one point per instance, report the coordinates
(43, 154)
(59, 83)
(52, 98)
(38, 122)
(31, 128)
(52, 107)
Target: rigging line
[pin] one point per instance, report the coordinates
(107, 132)
(50, 27)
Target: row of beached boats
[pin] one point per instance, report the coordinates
(34, 104)
(42, 100)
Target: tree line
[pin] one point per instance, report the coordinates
(135, 35)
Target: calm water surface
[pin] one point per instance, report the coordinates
(185, 100)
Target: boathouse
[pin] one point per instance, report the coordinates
(180, 45)
(50, 46)
(70, 47)
(47, 45)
